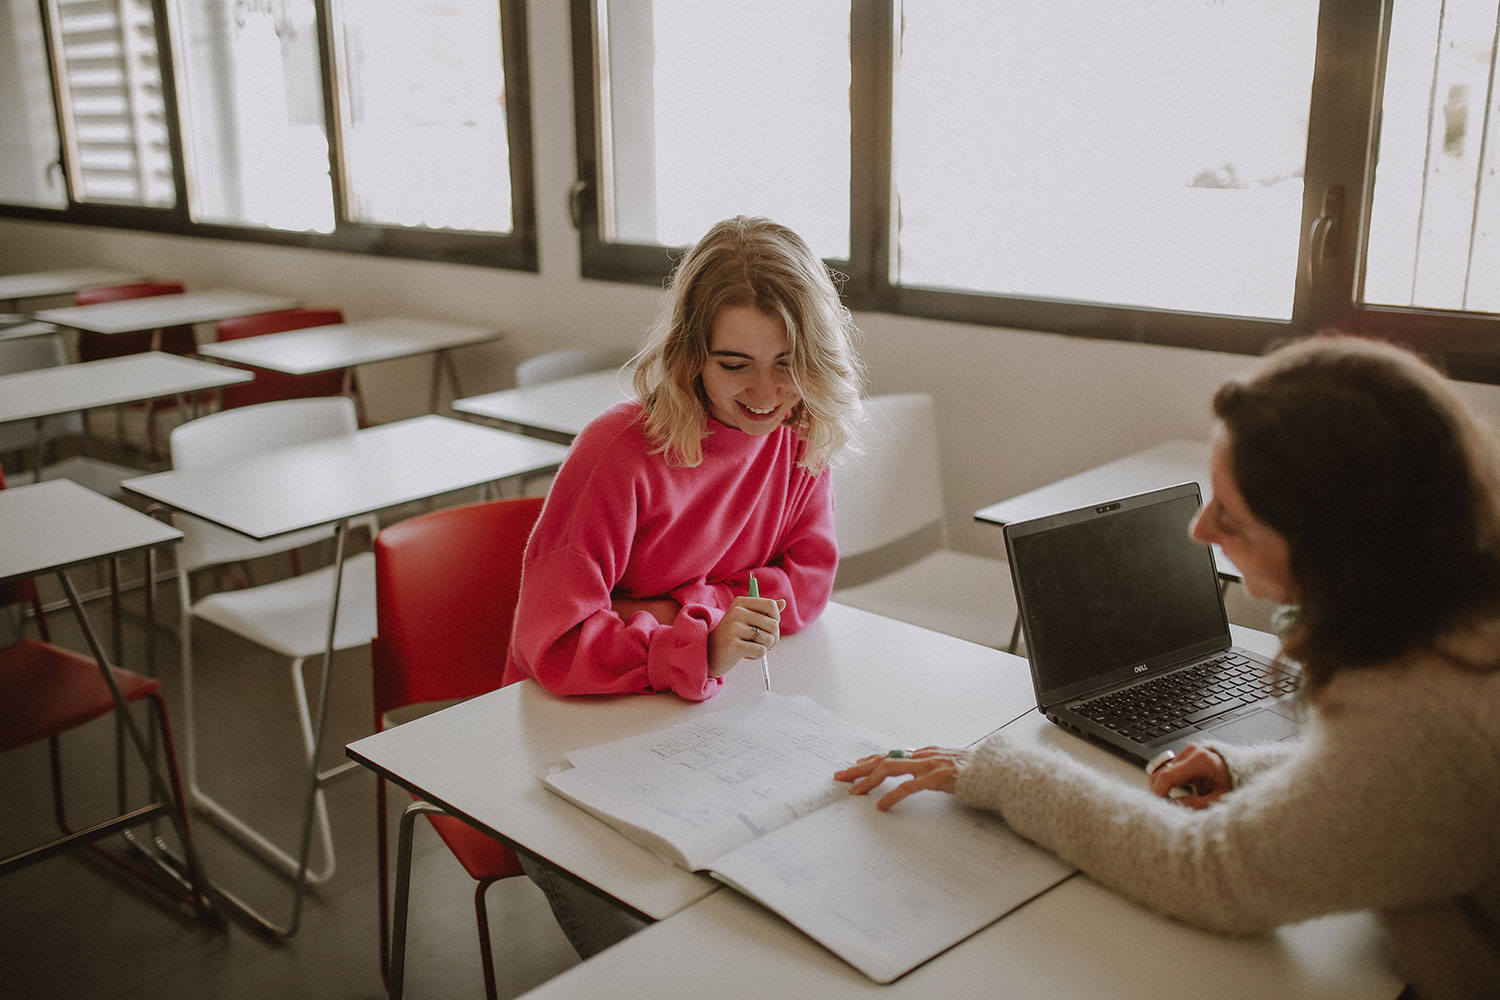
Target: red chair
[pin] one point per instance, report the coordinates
(93, 346)
(446, 586)
(269, 385)
(174, 340)
(45, 691)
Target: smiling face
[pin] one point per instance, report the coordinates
(1257, 549)
(747, 377)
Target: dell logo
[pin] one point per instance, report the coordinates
(1141, 669)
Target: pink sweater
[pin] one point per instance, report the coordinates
(620, 523)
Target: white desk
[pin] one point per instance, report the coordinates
(559, 410)
(330, 482)
(1166, 464)
(156, 311)
(51, 527)
(14, 331)
(482, 759)
(334, 480)
(345, 345)
(41, 284)
(47, 392)
(1076, 940)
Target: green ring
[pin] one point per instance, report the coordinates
(896, 754)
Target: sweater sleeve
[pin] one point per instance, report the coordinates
(567, 634)
(800, 571)
(1316, 833)
(570, 639)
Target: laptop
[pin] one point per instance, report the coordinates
(1127, 635)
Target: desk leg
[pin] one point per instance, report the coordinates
(443, 361)
(202, 897)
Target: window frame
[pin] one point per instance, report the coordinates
(1342, 127)
(516, 250)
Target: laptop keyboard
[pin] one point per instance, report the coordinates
(1187, 697)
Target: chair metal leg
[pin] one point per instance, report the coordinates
(486, 953)
(168, 796)
(403, 886)
(314, 806)
(233, 824)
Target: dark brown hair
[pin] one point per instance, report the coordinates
(1383, 484)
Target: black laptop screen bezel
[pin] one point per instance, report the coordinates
(1108, 677)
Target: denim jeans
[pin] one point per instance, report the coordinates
(590, 921)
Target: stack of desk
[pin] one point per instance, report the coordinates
(158, 311)
(557, 410)
(346, 345)
(15, 288)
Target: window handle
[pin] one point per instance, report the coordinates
(575, 202)
(1322, 240)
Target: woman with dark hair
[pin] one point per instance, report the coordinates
(1351, 485)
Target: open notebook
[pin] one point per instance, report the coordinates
(747, 794)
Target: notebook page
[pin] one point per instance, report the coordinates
(692, 791)
(887, 891)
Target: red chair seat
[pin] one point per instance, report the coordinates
(46, 690)
(482, 856)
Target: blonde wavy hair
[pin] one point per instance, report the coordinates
(747, 261)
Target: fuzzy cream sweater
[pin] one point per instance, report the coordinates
(1389, 801)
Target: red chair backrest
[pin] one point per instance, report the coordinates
(269, 385)
(139, 290)
(276, 322)
(93, 346)
(446, 586)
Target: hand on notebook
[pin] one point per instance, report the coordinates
(930, 768)
(1201, 771)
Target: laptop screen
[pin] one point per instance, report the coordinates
(1115, 591)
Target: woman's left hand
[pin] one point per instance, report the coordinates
(931, 768)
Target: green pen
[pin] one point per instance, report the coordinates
(765, 665)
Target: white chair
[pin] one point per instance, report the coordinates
(23, 354)
(288, 616)
(553, 365)
(889, 521)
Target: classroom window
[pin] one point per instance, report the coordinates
(110, 98)
(1195, 173)
(251, 106)
(1135, 153)
(30, 167)
(693, 121)
(1435, 219)
(399, 129)
(422, 114)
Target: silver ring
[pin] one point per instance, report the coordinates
(755, 634)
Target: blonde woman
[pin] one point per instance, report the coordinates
(638, 574)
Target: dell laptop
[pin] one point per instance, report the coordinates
(1127, 635)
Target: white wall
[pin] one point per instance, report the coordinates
(1017, 409)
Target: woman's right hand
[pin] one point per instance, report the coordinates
(751, 626)
(1203, 772)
